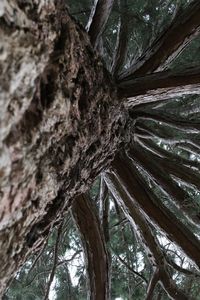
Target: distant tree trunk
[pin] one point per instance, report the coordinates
(97, 262)
(59, 124)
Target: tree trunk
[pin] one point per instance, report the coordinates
(59, 122)
(62, 121)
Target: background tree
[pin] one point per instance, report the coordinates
(67, 117)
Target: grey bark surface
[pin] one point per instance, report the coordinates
(59, 122)
(160, 86)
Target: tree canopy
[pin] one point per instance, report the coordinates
(100, 149)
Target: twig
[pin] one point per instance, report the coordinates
(59, 232)
(129, 268)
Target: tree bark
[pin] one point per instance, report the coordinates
(154, 209)
(160, 86)
(97, 263)
(59, 125)
(98, 19)
(144, 232)
(169, 44)
(160, 171)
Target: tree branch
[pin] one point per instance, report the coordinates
(159, 170)
(85, 215)
(181, 269)
(129, 268)
(122, 38)
(98, 18)
(183, 29)
(172, 121)
(160, 86)
(168, 137)
(154, 209)
(152, 284)
(144, 232)
(40, 253)
(104, 209)
(185, 173)
(167, 154)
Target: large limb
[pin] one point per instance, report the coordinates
(187, 141)
(144, 232)
(159, 170)
(104, 208)
(84, 213)
(185, 173)
(98, 19)
(122, 38)
(183, 29)
(154, 209)
(185, 125)
(160, 86)
(167, 155)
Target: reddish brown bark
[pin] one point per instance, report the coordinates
(97, 264)
(160, 86)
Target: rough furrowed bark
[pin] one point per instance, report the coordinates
(153, 208)
(59, 122)
(160, 86)
(97, 263)
(183, 29)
